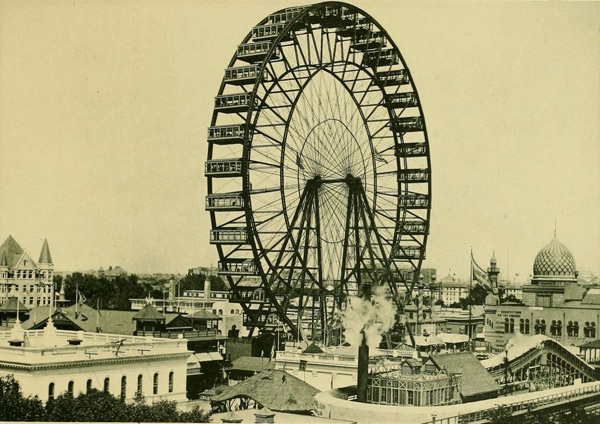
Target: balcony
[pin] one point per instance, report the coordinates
(408, 150)
(402, 100)
(409, 124)
(383, 58)
(223, 168)
(229, 236)
(243, 267)
(413, 201)
(369, 41)
(269, 32)
(413, 176)
(361, 26)
(233, 103)
(241, 75)
(254, 52)
(393, 78)
(413, 228)
(224, 202)
(227, 134)
(409, 252)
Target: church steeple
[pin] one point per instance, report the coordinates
(45, 257)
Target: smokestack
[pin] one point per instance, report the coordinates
(363, 353)
(171, 290)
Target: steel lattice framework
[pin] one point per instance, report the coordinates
(318, 168)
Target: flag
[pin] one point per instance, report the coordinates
(481, 276)
(81, 297)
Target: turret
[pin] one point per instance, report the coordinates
(493, 271)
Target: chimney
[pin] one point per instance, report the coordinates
(363, 354)
(207, 288)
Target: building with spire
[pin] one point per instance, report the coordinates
(24, 279)
(554, 303)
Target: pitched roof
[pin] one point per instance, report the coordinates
(252, 363)
(475, 378)
(13, 251)
(313, 348)
(592, 297)
(274, 389)
(203, 314)
(149, 313)
(61, 320)
(4, 260)
(11, 306)
(45, 257)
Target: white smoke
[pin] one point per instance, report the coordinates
(374, 317)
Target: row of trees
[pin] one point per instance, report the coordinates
(92, 406)
(114, 293)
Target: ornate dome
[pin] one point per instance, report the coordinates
(554, 260)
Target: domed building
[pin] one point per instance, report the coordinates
(554, 303)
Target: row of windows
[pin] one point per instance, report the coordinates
(32, 288)
(106, 386)
(555, 327)
(24, 274)
(232, 312)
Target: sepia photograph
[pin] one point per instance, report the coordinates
(292, 212)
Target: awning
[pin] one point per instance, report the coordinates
(194, 361)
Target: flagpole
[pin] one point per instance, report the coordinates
(470, 301)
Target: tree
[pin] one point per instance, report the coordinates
(14, 406)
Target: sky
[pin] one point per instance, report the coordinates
(104, 107)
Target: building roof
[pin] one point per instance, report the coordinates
(592, 297)
(204, 314)
(3, 259)
(149, 313)
(11, 306)
(554, 260)
(12, 250)
(453, 338)
(475, 379)
(594, 344)
(252, 363)
(517, 346)
(274, 389)
(313, 348)
(45, 257)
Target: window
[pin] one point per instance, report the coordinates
(155, 384)
(506, 325)
(593, 329)
(522, 326)
(88, 386)
(107, 384)
(553, 328)
(51, 391)
(559, 328)
(140, 384)
(570, 329)
(512, 325)
(576, 329)
(171, 382)
(543, 327)
(70, 388)
(123, 387)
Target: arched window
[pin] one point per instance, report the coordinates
(570, 329)
(123, 387)
(88, 386)
(70, 388)
(576, 329)
(593, 330)
(171, 382)
(51, 391)
(232, 311)
(512, 325)
(559, 328)
(553, 328)
(220, 311)
(214, 312)
(155, 384)
(107, 384)
(506, 325)
(537, 326)
(527, 329)
(543, 327)
(140, 384)
(522, 326)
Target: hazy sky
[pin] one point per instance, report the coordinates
(104, 107)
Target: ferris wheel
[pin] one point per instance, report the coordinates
(318, 168)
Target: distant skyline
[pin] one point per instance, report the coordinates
(105, 105)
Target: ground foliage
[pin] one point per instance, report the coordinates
(93, 406)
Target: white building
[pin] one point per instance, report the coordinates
(49, 362)
(22, 277)
(330, 368)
